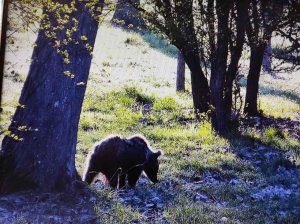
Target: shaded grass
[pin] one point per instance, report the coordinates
(191, 149)
(159, 43)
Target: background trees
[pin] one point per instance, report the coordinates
(207, 33)
(191, 28)
(175, 20)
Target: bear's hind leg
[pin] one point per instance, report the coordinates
(113, 177)
(122, 181)
(113, 182)
(133, 177)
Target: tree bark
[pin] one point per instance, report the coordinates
(187, 43)
(267, 59)
(180, 79)
(211, 27)
(3, 45)
(236, 53)
(46, 122)
(258, 43)
(256, 58)
(200, 88)
(219, 66)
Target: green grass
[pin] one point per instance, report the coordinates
(190, 149)
(131, 90)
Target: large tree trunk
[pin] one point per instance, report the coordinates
(46, 122)
(236, 53)
(256, 58)
(218, 68)
(180, 78)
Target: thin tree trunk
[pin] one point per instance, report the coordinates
(219, 65)
(46, 122)
(181, 30)
(236, 53)
(211, 27)
(257, 49)
(200, 88)
(180, 79)
(188, 46)
(3, 44)
(256, 58)
(267, 59)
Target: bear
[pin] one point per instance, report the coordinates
(120, 158)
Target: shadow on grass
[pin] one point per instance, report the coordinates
(155, 41)
(265, 90)
(158, 43)
(271, 147)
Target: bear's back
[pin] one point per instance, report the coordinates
(110, 146)
(114, 152)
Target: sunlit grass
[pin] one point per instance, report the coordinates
(279, 107)
(131, 90)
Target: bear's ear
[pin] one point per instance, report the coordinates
(157, 154)
(129, 142)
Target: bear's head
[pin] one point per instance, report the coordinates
(151, 166)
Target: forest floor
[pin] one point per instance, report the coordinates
(253, 176)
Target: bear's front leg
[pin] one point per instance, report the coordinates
(133, 176)
(90, 173)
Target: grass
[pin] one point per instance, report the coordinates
(131, 90)
(157, 42)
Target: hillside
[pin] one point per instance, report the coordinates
(251, 177)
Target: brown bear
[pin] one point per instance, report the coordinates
(119, 158)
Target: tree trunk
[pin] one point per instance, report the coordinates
(256, 58)
(2, 46)
(186, 41)
(267, 59)
(211, 27)
(127, 16)
(200, 88)
(46, 122)
(236, 53)
(180, 79)
(218, 68)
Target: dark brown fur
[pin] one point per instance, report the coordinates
(120, 158)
